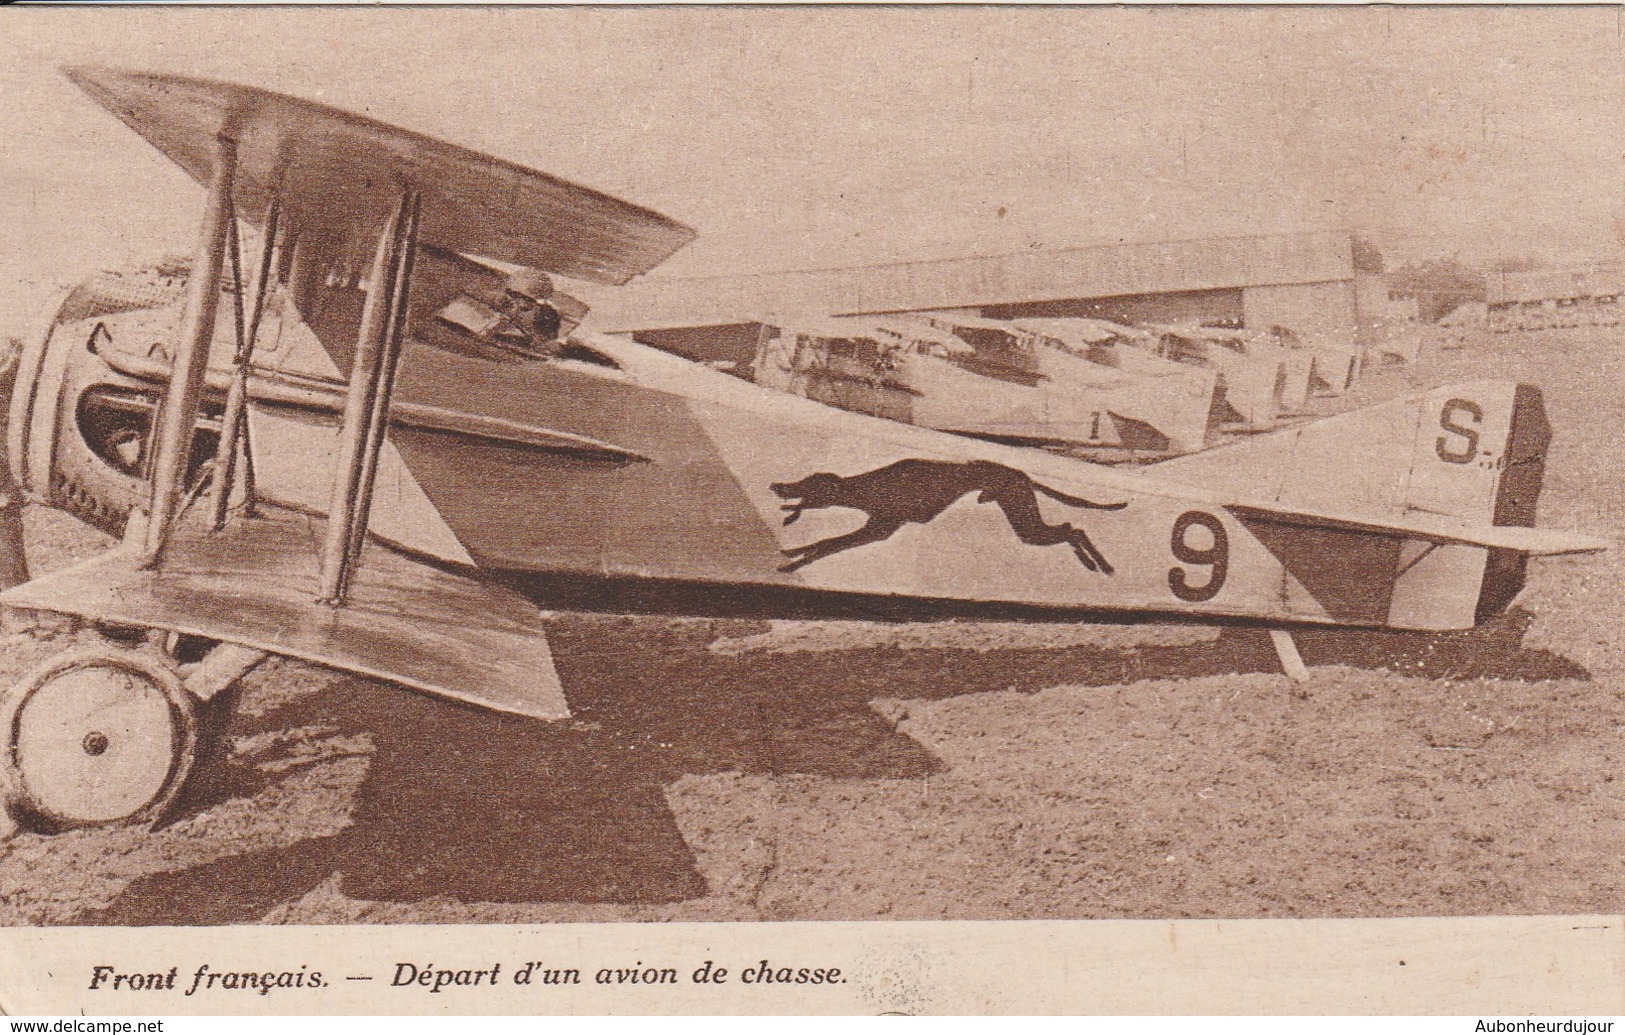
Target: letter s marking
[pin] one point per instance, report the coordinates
(1450, 422)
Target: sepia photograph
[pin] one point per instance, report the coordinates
(498, 466)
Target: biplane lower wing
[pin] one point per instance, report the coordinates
(255, 584)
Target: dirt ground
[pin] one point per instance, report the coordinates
(737, 771)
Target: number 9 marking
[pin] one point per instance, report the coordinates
(1215, 557)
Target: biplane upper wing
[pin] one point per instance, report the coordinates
(323, 162)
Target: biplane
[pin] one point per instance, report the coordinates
(1333, 367)
(1259, 382)
(320, 454)
(1136, 412)
(923, 371)
(1181, 398)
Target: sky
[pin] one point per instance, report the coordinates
(809, 137)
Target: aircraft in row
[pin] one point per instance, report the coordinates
(1099, 389)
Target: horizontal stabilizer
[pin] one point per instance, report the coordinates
(1540, 542)
(1457, 464)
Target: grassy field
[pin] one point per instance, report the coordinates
(735, 771)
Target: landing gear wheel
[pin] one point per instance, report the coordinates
(96, 738)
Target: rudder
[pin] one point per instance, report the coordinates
(1516, 496)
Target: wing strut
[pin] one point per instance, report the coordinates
(177, 418)
(234, 421)
(366, 407)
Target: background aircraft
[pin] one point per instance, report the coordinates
(920, 372)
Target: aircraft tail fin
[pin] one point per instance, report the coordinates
(1459, 457)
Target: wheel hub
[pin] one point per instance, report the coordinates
(102, 736)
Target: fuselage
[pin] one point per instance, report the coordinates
(618, 477)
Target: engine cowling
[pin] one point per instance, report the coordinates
(78, 427)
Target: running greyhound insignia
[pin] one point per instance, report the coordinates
(918, 491)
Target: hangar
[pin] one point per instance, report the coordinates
(1304, 281)
(1534, 300)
